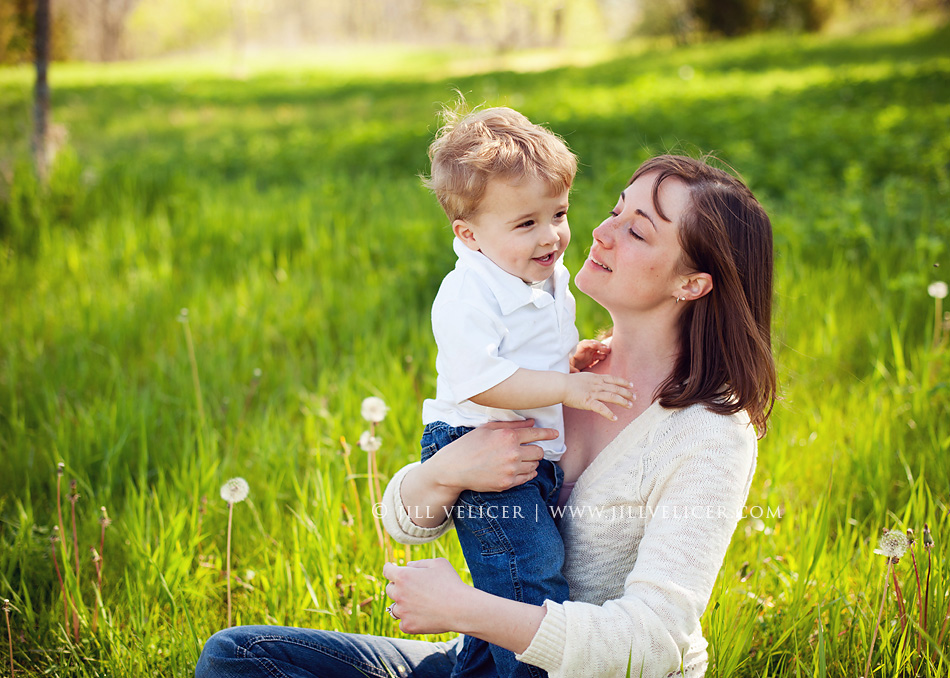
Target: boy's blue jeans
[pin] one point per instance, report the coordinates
(512, 548)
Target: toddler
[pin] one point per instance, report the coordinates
(503, 322)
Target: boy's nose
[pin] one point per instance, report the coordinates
(549, 235)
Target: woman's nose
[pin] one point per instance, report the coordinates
(603, 234)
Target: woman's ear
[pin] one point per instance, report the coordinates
(695, 286)
(464, 232)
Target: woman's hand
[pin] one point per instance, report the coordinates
(493, 457)
(429, 597)
(426, 595)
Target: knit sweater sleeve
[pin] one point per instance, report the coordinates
(690, 498)
(397, 521)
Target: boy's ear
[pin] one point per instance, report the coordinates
(464, 232)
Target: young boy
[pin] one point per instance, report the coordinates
(503, 322)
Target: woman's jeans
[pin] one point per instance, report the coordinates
(512, 547)
(283, 652)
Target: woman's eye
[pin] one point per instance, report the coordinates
(613, 213)
(635, 234)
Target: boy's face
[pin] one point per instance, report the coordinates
(520, 226)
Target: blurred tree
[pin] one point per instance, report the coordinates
(728, 17)
(41, 89)
(17, 20)
(99, 26)
(239, 38)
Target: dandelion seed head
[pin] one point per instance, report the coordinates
(235, 490)
(938, 290)
(257, 372)
(369, 442)
(183, 315)
(892, 545)
(373, 409)
(60, 468)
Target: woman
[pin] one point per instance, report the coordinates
(683, 264)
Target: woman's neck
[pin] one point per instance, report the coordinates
(644, 353)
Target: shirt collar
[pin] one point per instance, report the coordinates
(511, 291)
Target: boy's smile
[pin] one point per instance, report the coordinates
(520, 226)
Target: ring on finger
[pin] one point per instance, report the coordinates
(391, 613)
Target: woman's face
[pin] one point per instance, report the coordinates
(635, 261)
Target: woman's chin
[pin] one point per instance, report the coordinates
(584, 282)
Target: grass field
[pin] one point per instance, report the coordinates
(285, 213)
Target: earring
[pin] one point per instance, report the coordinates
(679, 299)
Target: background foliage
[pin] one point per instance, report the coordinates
(285, 213)
(110, 30)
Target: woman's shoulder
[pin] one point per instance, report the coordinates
(698, 430)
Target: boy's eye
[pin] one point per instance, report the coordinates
(526, 224)
(561, 215)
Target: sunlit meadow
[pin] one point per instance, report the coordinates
(285, 213)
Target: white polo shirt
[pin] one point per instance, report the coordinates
(487, 324)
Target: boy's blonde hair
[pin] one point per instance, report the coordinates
(472, 149)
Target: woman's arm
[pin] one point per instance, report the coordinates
(429, 597)
(492, 458)
(692, 497)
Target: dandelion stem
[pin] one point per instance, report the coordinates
(901, 610)
(97, 562)
(920, 603)
(59, 576)
(73, 498)
(370, 470)
(194, 370)
(938, 317)
(376, 495)
(352, 480)
(943, 627)
(6, 613)
(877, 624)
(230, 516)
(387, 545)
(201, 512)
(927, 591)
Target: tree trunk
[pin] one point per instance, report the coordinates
(41, 90)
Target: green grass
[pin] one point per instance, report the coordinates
(285, 213)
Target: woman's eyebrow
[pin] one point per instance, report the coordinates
(646, 216)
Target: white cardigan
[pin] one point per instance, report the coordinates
(645, 532)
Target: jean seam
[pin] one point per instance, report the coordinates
(339, 656)
(504, 545)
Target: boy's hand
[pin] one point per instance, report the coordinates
(588, 391)
(587, 354)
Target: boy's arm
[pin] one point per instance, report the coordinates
(528, 389)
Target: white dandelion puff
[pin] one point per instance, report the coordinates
(235, 490)
(369, 442)
(938, 290)
(892, 545)
(373, 409)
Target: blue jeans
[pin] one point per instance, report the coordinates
(512, 548)
(283, 652)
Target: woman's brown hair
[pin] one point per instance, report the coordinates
(726, 358)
